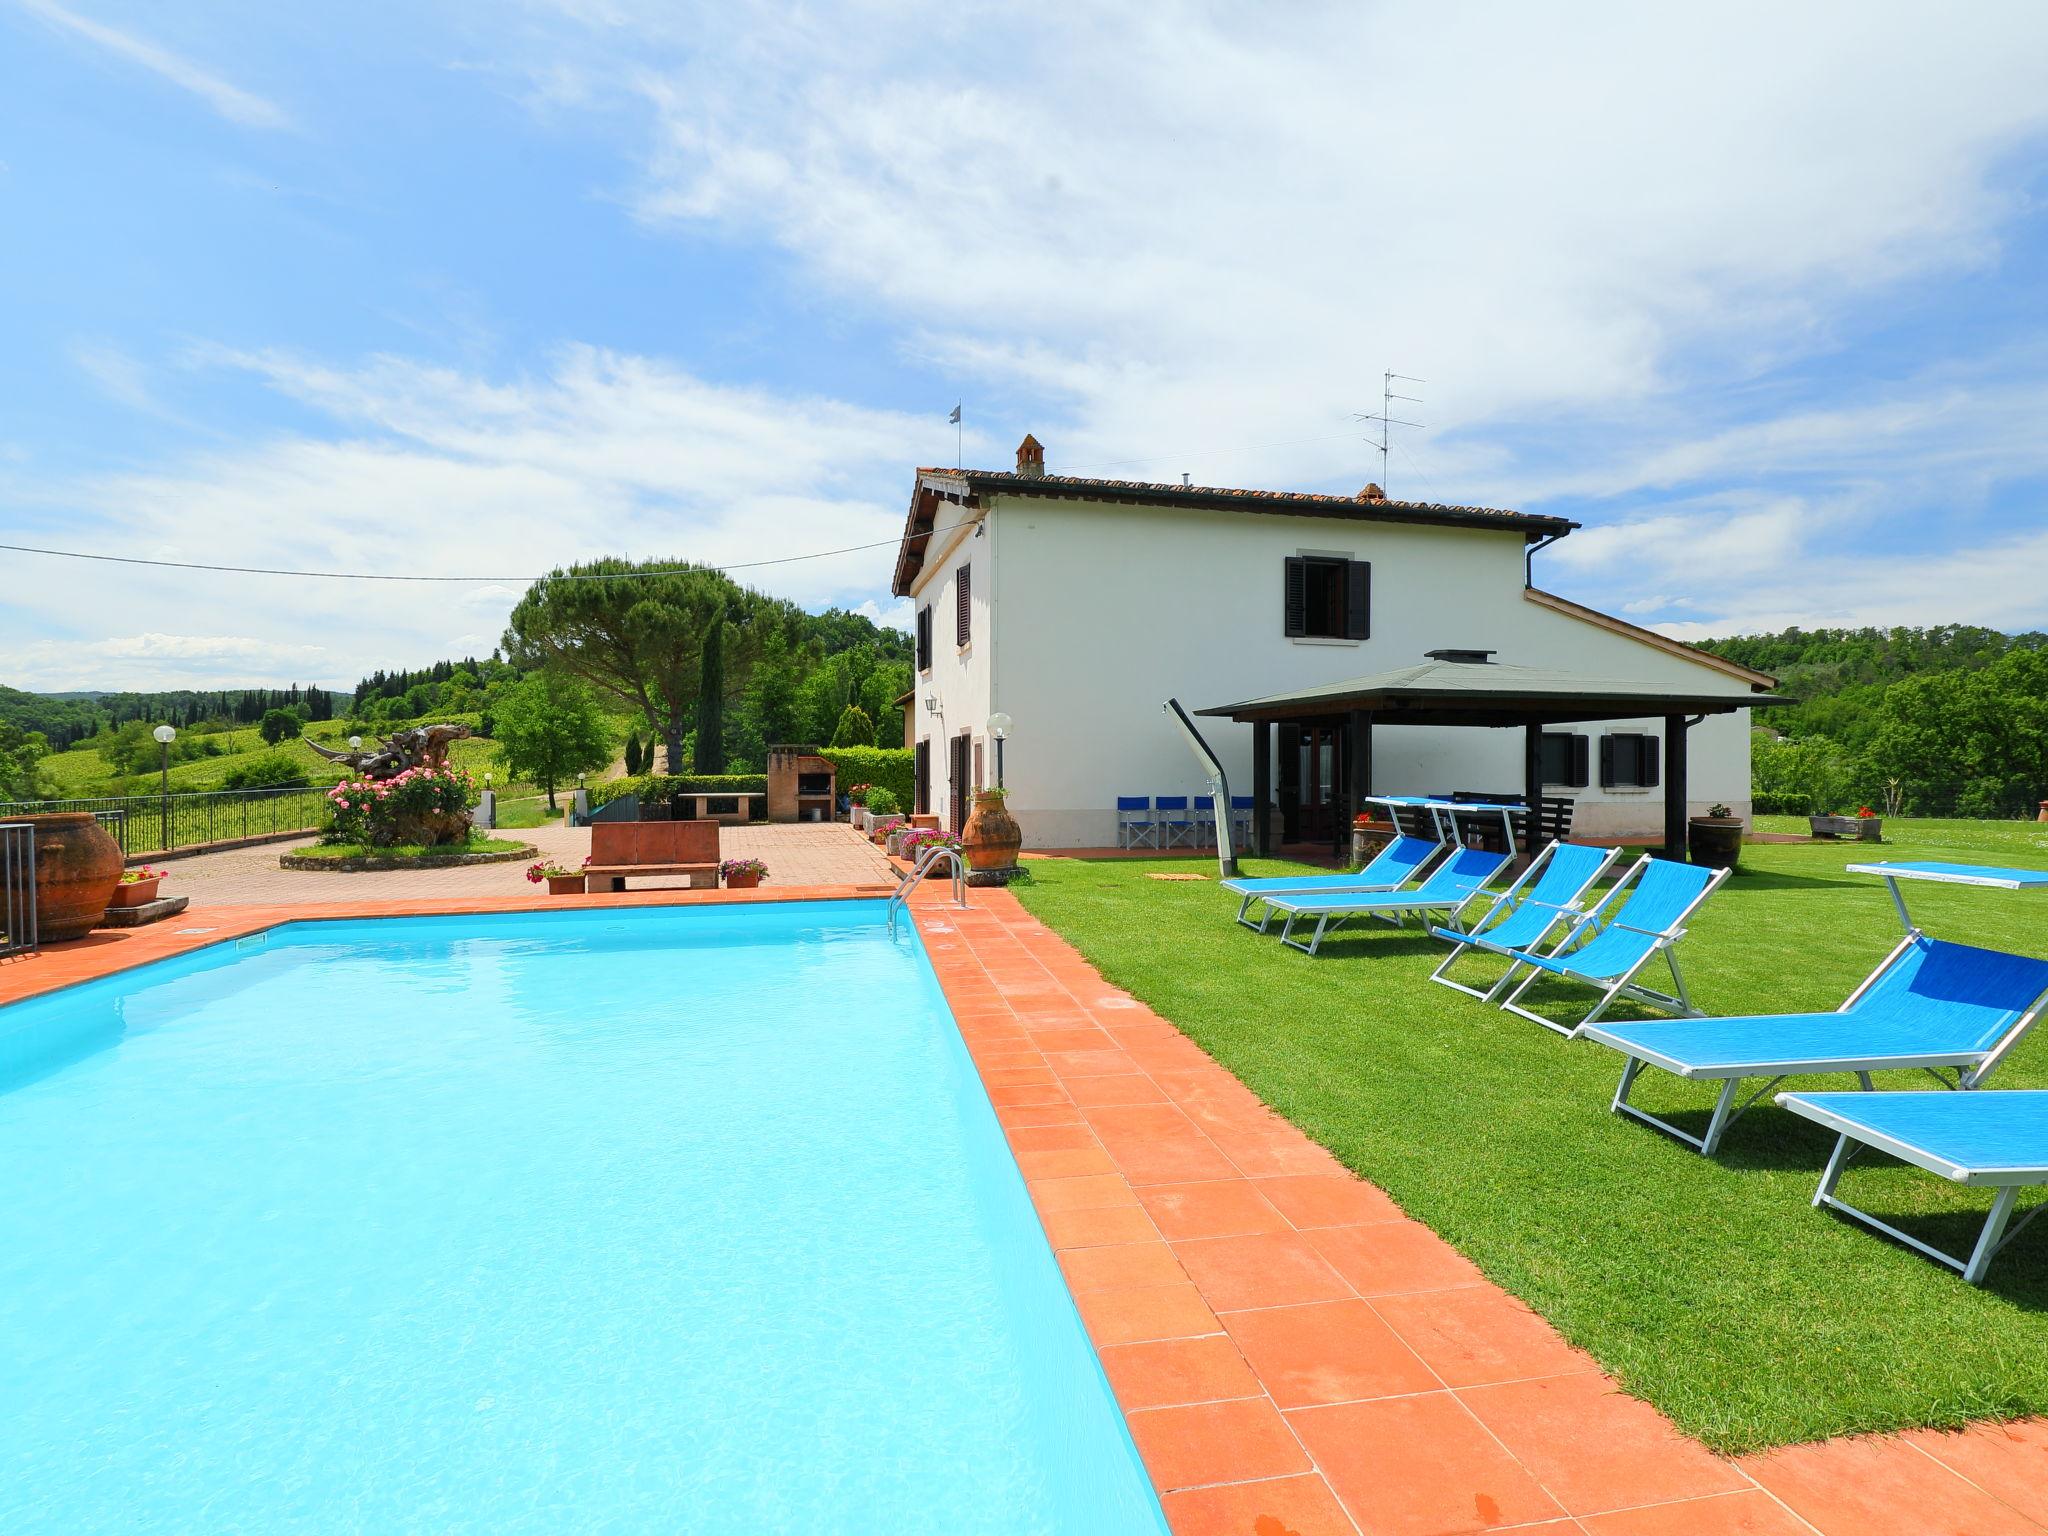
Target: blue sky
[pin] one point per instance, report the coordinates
(462, 289)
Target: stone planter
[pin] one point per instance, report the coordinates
(879, 827)
(1868, 829)
(133, 893)
(1715, 841)
(77, 869)
(992, 838)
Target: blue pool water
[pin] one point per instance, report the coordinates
(679, 1220)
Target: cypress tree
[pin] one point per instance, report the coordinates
(710, 754)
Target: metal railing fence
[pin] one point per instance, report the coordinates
(165, 823)
(17, 888)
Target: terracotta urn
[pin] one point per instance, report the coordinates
(77, 868)
(992, 837)
(134, 893)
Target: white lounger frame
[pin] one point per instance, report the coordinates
(1624, 985)
(1999, 1228)
(1475, 937)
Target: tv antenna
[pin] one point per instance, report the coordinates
(1386, 418)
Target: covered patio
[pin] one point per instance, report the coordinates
(1454, 688)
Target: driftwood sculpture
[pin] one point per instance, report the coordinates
(424, 746)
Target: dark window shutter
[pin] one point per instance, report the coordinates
(963, 606)
(1358, 604)
(1297, 596)
(1606, 762)
(1648, 777)
(1577, 778)
(924, 638)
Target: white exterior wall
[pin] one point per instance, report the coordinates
(1089, 615)
(959, 676)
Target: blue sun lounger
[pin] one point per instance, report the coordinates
(1642, 916)
(1930, 1004)
(1996, 1139)
(1391, 868)
(1453, 883)
(1550, 891)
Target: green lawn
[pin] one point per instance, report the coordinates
(1712, 1289)
(407, 850)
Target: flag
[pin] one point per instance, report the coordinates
(954, 419)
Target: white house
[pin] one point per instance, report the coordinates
(1077, 606)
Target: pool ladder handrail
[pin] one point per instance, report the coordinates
(923, 867)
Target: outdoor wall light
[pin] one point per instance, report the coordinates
(931, 703)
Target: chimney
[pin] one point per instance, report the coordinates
(1372, 493)
(1030, 457)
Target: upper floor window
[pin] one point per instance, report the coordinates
(924, 638)
(1328, 597)
(963, 606)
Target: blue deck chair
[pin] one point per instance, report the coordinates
(1929, 1004)
(1204, 813)
(1992, 1139)
(1551, 890)
(1176, 826)
(1241, 822)
(1459, 880)
(1135, 827)
(1391, 868)
(1643, 915)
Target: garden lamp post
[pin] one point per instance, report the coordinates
(355, 743)
(164, 735)
(999, 727)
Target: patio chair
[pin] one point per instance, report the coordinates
(1204, 813)
(1929, 1004)
(1996, 1139)
(1175, 826)
(1642, 916)
(1241, 822)
(1391, 868)
(1135, 827)
(1451, 885)
(1550, 891)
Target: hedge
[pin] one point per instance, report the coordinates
(887, 767)
(1764, 803)
(666, 786)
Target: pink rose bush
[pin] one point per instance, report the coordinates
(421, 805)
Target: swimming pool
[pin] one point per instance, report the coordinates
(678, 1219)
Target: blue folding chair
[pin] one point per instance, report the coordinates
(1997, 1139)
(1642, 916)
(1135, 827)
(1391, 868)
(1930, 1004)
(1176, 827)
(1204, 814)
(1550, 891)
(1453, 883)
(1241, 822)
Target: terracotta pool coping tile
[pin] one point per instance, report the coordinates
(1751, 1512)
(1090, 1192)
(1114, 1090)
(1327, 1352)
(1206, 1443)
(1475, 1335)
(1122, 1267)
(1391, 1257)
(1274, 1506)
(1328, 1200)
(1215, 1208)
(1139, 1313)
(2008, 1461)
(1594, 1447)
(1050, 1138)
(1097, 1228)
(1063, 1163)
(1259, 1269)
(1169, 1373)
(1881, 1486)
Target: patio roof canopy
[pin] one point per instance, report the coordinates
(1438, 692)
(1466, 689)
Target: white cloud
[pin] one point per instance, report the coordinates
(434, 472)
(229, 100)
(1195, 226)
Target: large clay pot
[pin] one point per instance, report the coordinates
(991, 836)
(77, 868)
(1715, 841)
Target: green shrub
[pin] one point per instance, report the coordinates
(883, 802)
(889, 768)
(1765, 804)
(267, 770)
(855, 728)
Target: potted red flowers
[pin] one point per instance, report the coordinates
(137, 887)
(743, 874)
(559, 881)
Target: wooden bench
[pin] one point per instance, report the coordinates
(619, 849)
